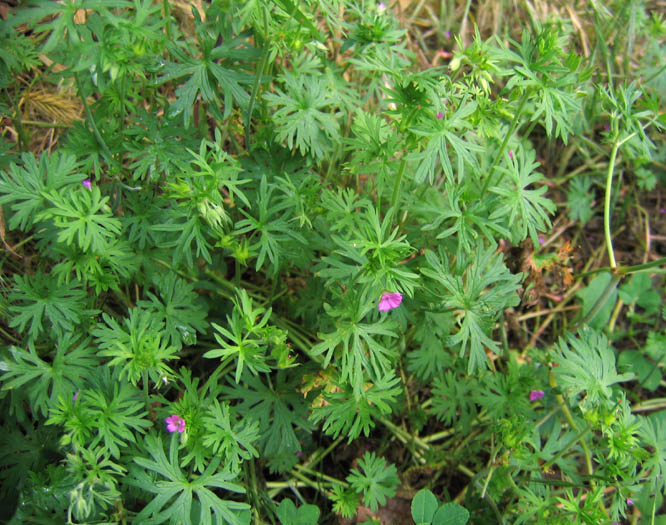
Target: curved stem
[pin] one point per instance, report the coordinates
(607, 203)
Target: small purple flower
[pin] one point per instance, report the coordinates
(440, 115)
(389, 301)
(607, 127)
(75, 397)
(175, 423)
(630, 501)
(87, 184)
(299, 453)
(381, 7)
(511, 154)
(535, 395)
(447, 34)
(663, 210)
(541, 239)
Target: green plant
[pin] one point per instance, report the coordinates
(282, 261)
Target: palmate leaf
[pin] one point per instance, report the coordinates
(479, 292)
(41, 381)
(61, 24)
(357, 345)
(179, 306)
(187, 234)
(232, 440)
(376, 480)
(442, 134)
(272, 232)
(119, 416)
(280, 408)
(138, 346)
(653, 432)
(213, 74)
(82, 217)
(587, 367)
(24, 187)
(178, 496)
(524, 210)
(37, 298)
(344, 413)
(301, 117)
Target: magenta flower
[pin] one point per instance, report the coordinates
(75, 396)
(630, 501)
(535, 395)
(440, 115)
(381, 7)
(87, 184)
(389, 301)
(511, 154)
(175, 423)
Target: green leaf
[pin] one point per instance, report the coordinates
(443, 135)
(301, 117)
(424, 506)
(181, 498)
(179, 307)
(376, 480)
(524, 210)
(232, 440)
(42, 382)
(306, 514)
(82, 218)
(648, 373)
(37, 298)
(591, 293)
(480, 291)
(345, 413)
(25, 187)
(580, 199)
(137, 346)
(640, 290)
(279, 408)
(587, 367)
(451, 514)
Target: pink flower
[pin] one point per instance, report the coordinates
(175, 423)
(389, 301)
(440, 115)
(630, 501)
(511, 154)
(75, 396)
(87, 184)
(535, 395)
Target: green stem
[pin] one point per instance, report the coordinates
(607, 203)
(167, 18)
(396, 188)
(91, 120)
(509, 134)
(572, 423)
(146, 392)
(257, 83)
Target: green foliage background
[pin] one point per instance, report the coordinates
(202, 208)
